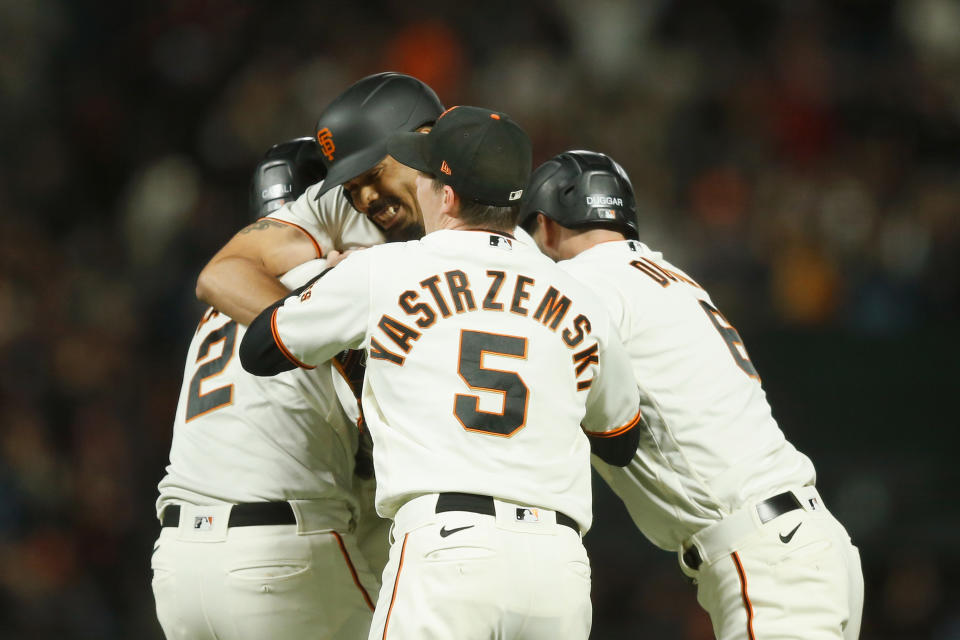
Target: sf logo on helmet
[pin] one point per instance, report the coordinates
(325, 138)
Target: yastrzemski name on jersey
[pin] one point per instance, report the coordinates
(449, 292)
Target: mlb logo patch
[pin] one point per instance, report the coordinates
(528, 514)
(607, 214)
(501, 243)
(203, 523)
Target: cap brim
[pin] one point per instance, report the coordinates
(410, 148)
(352, 166)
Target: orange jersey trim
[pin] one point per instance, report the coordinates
(618, 431)
(396, 584)
(353, 571)
(283, 348)
(743, 592)
(316, 245)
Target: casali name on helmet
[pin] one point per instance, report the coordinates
(600, 201)
(276, 191)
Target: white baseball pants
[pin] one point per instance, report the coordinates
(284, 582)
(470, 576)
(797, 576)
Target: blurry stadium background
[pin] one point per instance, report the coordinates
(799, 158)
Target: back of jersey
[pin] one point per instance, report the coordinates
(482, 359)
(712, 441)
(240, 438)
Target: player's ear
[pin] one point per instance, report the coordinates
(450, 203)
(550, 232)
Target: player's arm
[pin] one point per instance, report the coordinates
(241, 279)
(312, 324)
(268, 247)
(613, 420)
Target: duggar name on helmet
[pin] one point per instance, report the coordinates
(600, 201)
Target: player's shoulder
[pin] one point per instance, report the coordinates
(610, 257)
(332, 200)
(384, 258)
(332, 205)
(403, 247)
(579, 287)
(633, 271)
(598, 265)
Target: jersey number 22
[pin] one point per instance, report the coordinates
(199, 404)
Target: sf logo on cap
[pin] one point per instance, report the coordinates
(325, 138)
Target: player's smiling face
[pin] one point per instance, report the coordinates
(387, 195)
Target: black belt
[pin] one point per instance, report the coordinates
(247, 514)
(484, 505)
(767, 510)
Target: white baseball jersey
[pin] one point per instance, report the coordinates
(483, 361)
(711, 443)
(331, 221)
(240, 438)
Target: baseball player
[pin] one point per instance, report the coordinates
(713, 479)
(364, 199)
(261, 503)
(241, 279)
(483, 362)
(283, 175)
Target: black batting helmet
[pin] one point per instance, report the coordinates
(352, 132)
(578, 188)
(285, 172)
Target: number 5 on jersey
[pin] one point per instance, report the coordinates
(473, 346)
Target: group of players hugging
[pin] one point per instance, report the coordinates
(414, 356)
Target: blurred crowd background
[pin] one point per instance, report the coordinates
(801, 159)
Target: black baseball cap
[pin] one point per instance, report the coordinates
(352, 131)
(484, 155)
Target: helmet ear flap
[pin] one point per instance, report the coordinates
(285, 172)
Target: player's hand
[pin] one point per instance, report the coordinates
(336, 257)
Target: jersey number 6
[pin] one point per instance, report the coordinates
(473, 346)
(732, 338)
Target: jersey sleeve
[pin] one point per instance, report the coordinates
(331, 222)
(328, 316)
(303, 273)
(612, 420)
(313, 323)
